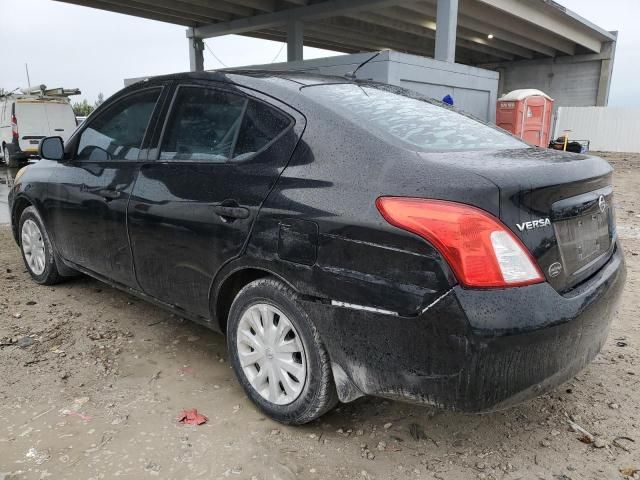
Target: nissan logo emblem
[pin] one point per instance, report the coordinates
(555, 269)
(602, 203)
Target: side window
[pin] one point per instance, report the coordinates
(261, 124)
(118, 132)
(203, 125)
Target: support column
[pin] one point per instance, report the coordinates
(606, 71)
(446, 30)
(196, 52)
(295, 41)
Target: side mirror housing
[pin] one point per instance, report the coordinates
(51, 148)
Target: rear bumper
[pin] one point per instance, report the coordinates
(473, 350)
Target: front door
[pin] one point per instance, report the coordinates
(90, 191)
(192, 208)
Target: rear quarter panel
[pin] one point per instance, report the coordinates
(320, 228)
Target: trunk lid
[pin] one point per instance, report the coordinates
(559, 204)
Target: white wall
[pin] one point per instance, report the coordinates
(474, 90)
(610, 129)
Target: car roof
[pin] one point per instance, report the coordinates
(293, 79)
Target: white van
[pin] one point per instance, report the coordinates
(25, 119)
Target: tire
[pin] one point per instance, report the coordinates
(294, 400)
(10, 160)
(37, 249)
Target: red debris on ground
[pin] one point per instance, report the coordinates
(187, 371)
(192, 417)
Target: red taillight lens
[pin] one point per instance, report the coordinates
(14, 126)
(481, 251)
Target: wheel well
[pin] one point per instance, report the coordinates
(230, 288)
(20, 205)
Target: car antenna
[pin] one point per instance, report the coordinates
(352, 75)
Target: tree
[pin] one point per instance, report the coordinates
(82, 109)
(99, 101)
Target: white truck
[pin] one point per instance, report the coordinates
(31, 115)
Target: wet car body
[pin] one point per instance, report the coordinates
(395, 320)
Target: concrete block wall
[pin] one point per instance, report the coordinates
(569, 84)
(572, 81)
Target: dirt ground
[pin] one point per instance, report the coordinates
(92, 388)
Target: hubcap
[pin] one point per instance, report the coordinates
(271, 354)
(33, 246)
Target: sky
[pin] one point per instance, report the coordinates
(69, 46)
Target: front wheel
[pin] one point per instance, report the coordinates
(277, 354)
(36, 248)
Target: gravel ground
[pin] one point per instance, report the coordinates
(92, 381)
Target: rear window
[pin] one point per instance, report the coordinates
(417, 123)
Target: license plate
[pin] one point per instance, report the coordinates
(583, 239)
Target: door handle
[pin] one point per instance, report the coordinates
(108, 194)
(229, 211)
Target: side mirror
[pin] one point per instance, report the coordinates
(51, 148)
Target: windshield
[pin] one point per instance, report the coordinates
(416, 122)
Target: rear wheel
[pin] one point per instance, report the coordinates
(10, 160)
(36, 248)
(277, 354)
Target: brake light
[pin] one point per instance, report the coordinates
(481, 250)
(14, 127)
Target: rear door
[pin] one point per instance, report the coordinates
(61, 119)
(40, 118)
(220, 153)
(31, 117)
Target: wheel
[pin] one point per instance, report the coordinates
(10, 160)
(277, 354)
(36, 248)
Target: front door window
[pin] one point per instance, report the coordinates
(117, 133)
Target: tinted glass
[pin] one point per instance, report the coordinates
(203, 125)
(261, 124)
(397, 115)
(117, 133)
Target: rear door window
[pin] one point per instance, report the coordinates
(218, 126)
(402, 117)
(261, 125)
(118, 132)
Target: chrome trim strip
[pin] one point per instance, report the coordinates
(352, 306)
(436, 301)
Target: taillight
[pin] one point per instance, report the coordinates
(14, 127)
(481, 251)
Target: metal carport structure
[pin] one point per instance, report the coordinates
(511, 36)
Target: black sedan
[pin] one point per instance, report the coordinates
(349, 238)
